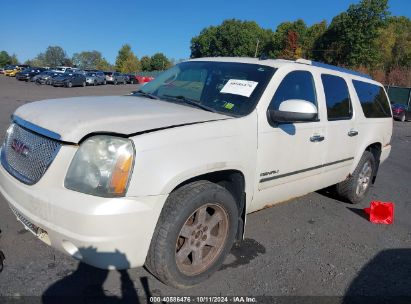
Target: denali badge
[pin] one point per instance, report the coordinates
(20, 147)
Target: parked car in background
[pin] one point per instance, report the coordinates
(401, 112)
(45, 77)
(27, 74)
(12, 70)
(115, 78)
(131, 78)
(400, 98)
(95, 78)
(8, 69)
(69, 80)
(144, 79)
(1, 70)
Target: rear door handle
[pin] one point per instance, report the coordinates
(352, 133)
(316, 138)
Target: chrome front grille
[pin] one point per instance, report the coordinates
(26, 155)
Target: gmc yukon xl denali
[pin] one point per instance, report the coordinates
(166, 176)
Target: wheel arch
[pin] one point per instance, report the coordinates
(232, 180)
(375, 148)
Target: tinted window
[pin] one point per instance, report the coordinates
(373, 100)
(296, 85)
(337, 97)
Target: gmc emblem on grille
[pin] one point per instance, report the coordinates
(20, 147)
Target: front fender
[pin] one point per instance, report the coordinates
(167, 158)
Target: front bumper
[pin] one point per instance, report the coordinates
(22, 77)
(59, 83)
(109, 233)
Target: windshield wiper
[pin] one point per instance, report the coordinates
(190, 102)
(145, 94)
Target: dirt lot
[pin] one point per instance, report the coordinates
(311, 246)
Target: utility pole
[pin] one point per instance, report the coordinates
(256, 48)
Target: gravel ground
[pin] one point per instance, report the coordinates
(310, 246)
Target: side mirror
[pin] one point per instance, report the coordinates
(293, 110)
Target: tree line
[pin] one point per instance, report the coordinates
(365, 38)
(126, 61)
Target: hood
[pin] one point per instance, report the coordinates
(74, 118)
(62, 77)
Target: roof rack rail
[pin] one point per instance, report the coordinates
(332, 67)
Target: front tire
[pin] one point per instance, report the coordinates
(357, 186)
(194, 233)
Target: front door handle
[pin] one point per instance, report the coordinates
(316, 138)
(352, 133)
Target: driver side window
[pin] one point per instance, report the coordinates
(295, 85)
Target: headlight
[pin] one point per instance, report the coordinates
(102, 166)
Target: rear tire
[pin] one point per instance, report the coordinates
(402, 117)
(356, 187)
(194, 233)
(69, 84)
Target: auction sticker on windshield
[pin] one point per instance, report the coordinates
(239, 87)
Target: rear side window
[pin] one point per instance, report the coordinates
(296, 85)
(337, 97)
(373, 100)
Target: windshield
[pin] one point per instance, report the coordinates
(225, 87)
(91, 74)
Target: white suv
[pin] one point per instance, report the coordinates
(165, 177)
